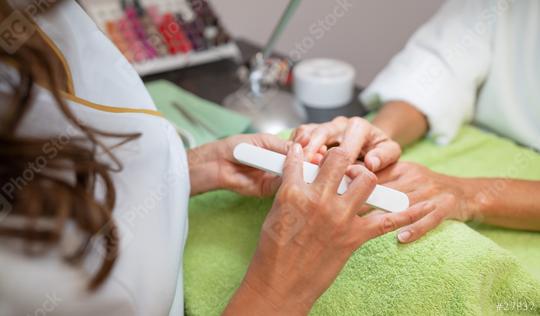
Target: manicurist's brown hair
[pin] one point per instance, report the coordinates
(63, 190)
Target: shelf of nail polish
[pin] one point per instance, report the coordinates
(158, 36)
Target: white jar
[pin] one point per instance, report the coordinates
(323, 83)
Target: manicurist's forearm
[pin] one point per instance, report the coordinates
(402, 122)
(505, 202)
(203, 170)
(248, 300)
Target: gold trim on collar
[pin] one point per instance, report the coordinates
(70, 93)
(107, 108)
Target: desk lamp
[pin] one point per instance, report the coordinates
(270, 109)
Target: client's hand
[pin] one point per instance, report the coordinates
(308, 236)
(212, 166)
(356, 135)
(445, 197)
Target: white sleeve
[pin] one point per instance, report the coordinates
(441, 68)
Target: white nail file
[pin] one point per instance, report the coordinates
(382, 197)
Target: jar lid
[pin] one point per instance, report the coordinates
(323, 82)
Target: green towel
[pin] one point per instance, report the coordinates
(456, 270)
(220, 121)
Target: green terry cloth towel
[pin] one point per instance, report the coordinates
(206, 121)
(457, 269)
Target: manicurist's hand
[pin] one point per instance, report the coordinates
(212, 166)
(441, 196)
(358, 137)
(308, 236)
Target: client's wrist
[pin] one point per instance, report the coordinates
(401, 122)
(478, 198)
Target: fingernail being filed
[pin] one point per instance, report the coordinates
(297, 149)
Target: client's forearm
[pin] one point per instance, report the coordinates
(505, 202)
(402, 122)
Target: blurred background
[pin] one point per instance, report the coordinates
(213, 71)
(366, 36)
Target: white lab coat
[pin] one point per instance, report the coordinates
(473, 61)
(152, 189)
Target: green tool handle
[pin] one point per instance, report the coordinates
(280, 27)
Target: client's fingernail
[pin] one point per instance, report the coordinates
(297, 148)
(403, 236)
(375, 163)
